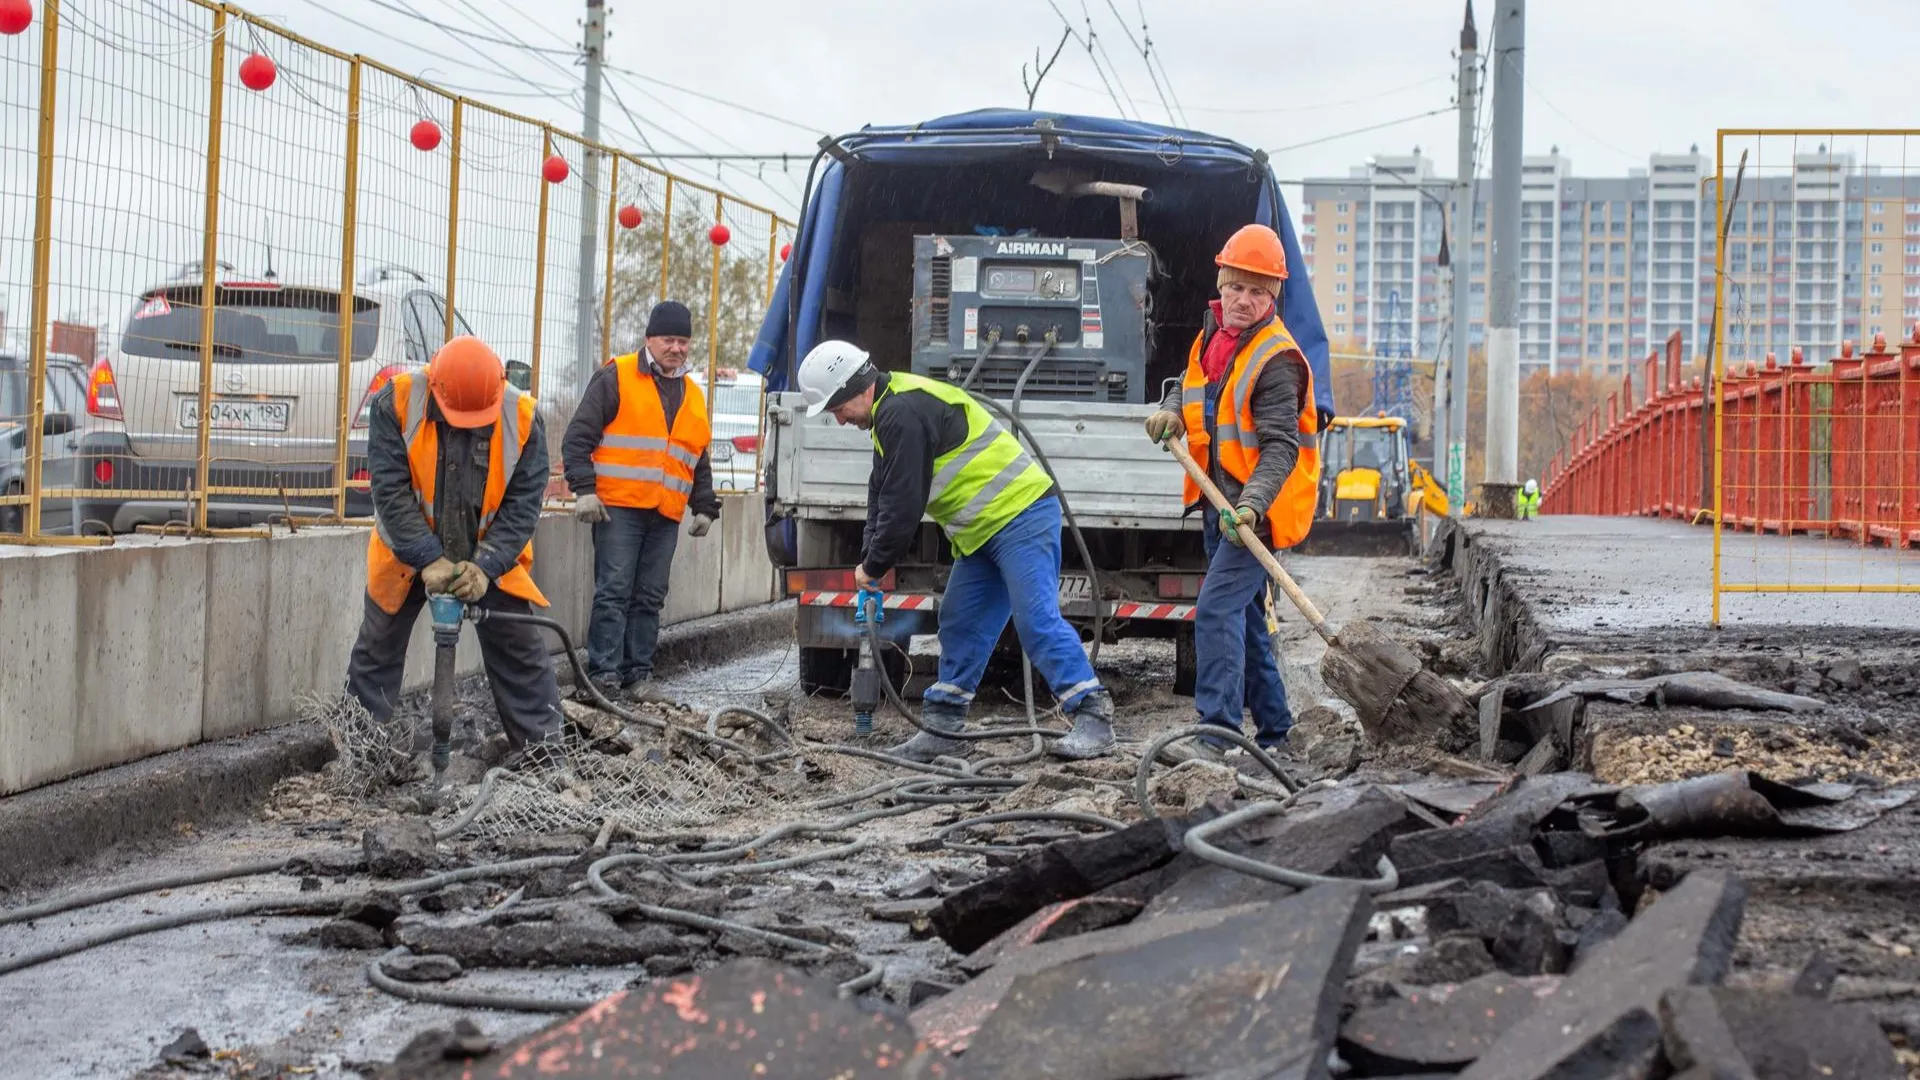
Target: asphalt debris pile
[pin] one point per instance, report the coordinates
(1503, 931)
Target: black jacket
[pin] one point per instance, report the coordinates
(459, 488)
(598, 406)
(912, 430)
(1278, 396)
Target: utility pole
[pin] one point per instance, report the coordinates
(1455, 467)
(1503, 316)
(586, 319)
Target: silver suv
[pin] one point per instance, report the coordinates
(275, 394)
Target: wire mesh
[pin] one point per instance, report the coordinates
(347, 203)
(1817, 256)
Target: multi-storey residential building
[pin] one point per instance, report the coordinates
(1817, 254)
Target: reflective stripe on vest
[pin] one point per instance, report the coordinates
(388, 579)
(981, 484)
(640, 463)
(1238, 443)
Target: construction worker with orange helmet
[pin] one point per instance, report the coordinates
(457, 463)
(1246, 409)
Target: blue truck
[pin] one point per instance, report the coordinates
(1061, 266)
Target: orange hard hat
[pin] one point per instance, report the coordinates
(1255, 249)
(468, 381)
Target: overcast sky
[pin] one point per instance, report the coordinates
(1607, 82)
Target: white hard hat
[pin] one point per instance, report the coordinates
(1532, 486)
(826, 371)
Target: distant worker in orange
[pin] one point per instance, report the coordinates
(636, 461)
(457, 461)
(1246, 409)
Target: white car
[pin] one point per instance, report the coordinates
(275, 393)
(735, 450)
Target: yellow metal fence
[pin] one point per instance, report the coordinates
(224, 237)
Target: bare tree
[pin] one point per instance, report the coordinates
(1033, 88)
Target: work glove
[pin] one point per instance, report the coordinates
(701, 523)
(590, 509)
(470, 585)
(1164, 425)
(438, 576)
(1229, 519)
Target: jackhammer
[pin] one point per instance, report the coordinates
(869, 609)
(447, 613)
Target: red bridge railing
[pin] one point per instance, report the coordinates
(1830, 449)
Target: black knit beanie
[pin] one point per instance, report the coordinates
(670, 318)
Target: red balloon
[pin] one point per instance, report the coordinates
(554, 169)
(425, 135)
(629, 216)
(258, 71)
(785, 250)
(15, 16)
(719, 234)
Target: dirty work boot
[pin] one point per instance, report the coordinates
(1092, 733)
(1200, 748)
(646, 692)
(607, 687)
(925, 746)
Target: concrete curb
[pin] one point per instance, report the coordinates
(49, 830)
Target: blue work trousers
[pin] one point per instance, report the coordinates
(1015, 574)
(1236, 667)
(632, 557)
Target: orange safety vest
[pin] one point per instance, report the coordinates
(639, 462)
(1291, 514)
(388, 579)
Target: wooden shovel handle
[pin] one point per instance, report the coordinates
(1252, 540)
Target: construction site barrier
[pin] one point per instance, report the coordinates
(345, 219)
(1814, 465)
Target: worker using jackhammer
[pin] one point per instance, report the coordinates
(457, 463)
(1246, 409)
(937, 452)
(1527, 502)
(636, 461)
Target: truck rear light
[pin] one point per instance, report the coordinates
(103, 394)
(1179, 586)
(380, 379)
(804, 581)
(362, 474)
(746, 444)
(103, 472)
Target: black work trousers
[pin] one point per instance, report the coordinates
(518, 664)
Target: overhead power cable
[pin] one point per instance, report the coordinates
(1363, 130)
(1145, 59)
(1088, 45)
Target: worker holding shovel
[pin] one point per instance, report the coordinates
(1246, 409)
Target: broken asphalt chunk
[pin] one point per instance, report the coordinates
(349, 934)
(745, 1018)
(1061, 871)
(1603, 1017)
(1053, 922)
(1742, 803)
(592, 939)
(1787, 1035)
(187, 1048)
(1258, 994)
(400, 848)
(1701, 689)
(421, 968)
(1346, 841)
(950, 1022)
(1440, 1027)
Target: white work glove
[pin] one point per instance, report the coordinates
(701, 523)
(1164, 425)
(590, 509)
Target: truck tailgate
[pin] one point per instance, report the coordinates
(1112, 475)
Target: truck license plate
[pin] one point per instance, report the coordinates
(231, 414)
(1075, 587)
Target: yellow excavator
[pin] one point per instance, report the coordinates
(1371, 490)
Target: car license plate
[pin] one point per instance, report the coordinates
(720, 450)
(236, 414)
(1075, 587)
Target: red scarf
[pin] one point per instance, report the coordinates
(1221, 347)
